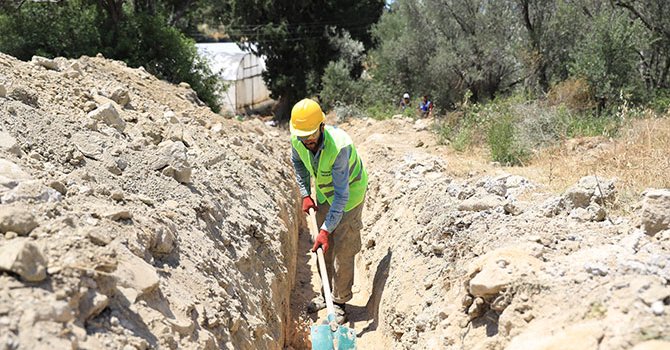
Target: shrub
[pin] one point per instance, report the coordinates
(573, 93)
(504, 144)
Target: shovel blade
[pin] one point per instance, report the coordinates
(345, 338)
(323, 338)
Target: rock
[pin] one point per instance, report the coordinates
(58, 186)
(23, 258)
(477, 308)
(92, 304)
(590, 189)
(44, 62)
(171, 117)
(480, 203)
(658, 308)
(655, 212)
(173, 161)
(217, 128)
(185, 85)
(596, 269)
(99, 236)
(116, 214)
(32, 192)
(134, 274)
(9, 144)
(512, 209)
(652, 345)
(24, 95)
(3, 91)
(164, 241)
(494, 271)
(108, 114)
(89, 144)
(11, 174)
(120, 95)
(552, 207)
(17, 220)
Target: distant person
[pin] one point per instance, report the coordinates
(425, 106)
(405, 101)
(327, 154)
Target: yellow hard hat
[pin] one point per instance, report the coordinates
(306, 117)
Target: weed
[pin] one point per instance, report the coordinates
(503, 143)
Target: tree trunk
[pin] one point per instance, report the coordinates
(282, 111)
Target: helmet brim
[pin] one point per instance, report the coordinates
(301, 133)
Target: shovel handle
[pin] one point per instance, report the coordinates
(313, 228)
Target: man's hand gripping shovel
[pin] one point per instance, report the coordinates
(328, 335)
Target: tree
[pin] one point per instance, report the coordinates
(655, 57)
(447, 47)
(292, 35)
(120, 29)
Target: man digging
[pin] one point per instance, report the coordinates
(327, 153)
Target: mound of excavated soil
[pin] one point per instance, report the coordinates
(131, 217)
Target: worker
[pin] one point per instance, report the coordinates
(327, 154)
(405, 101)
(425, 107)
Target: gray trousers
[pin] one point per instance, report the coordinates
(343, 244)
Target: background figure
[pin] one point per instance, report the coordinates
(426, 106)
(405, 102)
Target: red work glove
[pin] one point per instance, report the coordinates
(308, 202)
(321, 240)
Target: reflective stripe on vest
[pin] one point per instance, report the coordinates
(334, 140)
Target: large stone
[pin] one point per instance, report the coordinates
(120, 95)
(588, 189)
(11, 174)
(135, 276)
(23, 258)
(44, 62)
(3, 91)
(655, 214)
(89, 144)
(16, 220)
(108, 114)
(173, 161)
(32, 192)
(480, 203)
(582, 336)
(9, 144)
(91, 304)
(496, 270)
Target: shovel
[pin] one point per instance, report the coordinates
(329, 335)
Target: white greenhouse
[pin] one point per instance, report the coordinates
(241, 70)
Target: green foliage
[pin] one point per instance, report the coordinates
(608, 60)
(67, 28)
(504, 144)
(338, 86)
(78, 27)
(294, 37)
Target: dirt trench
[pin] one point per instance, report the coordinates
(462, 254)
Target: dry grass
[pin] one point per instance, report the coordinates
(639, 158)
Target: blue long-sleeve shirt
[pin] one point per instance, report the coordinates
(340, 174)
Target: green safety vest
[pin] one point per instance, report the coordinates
(334, 140)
